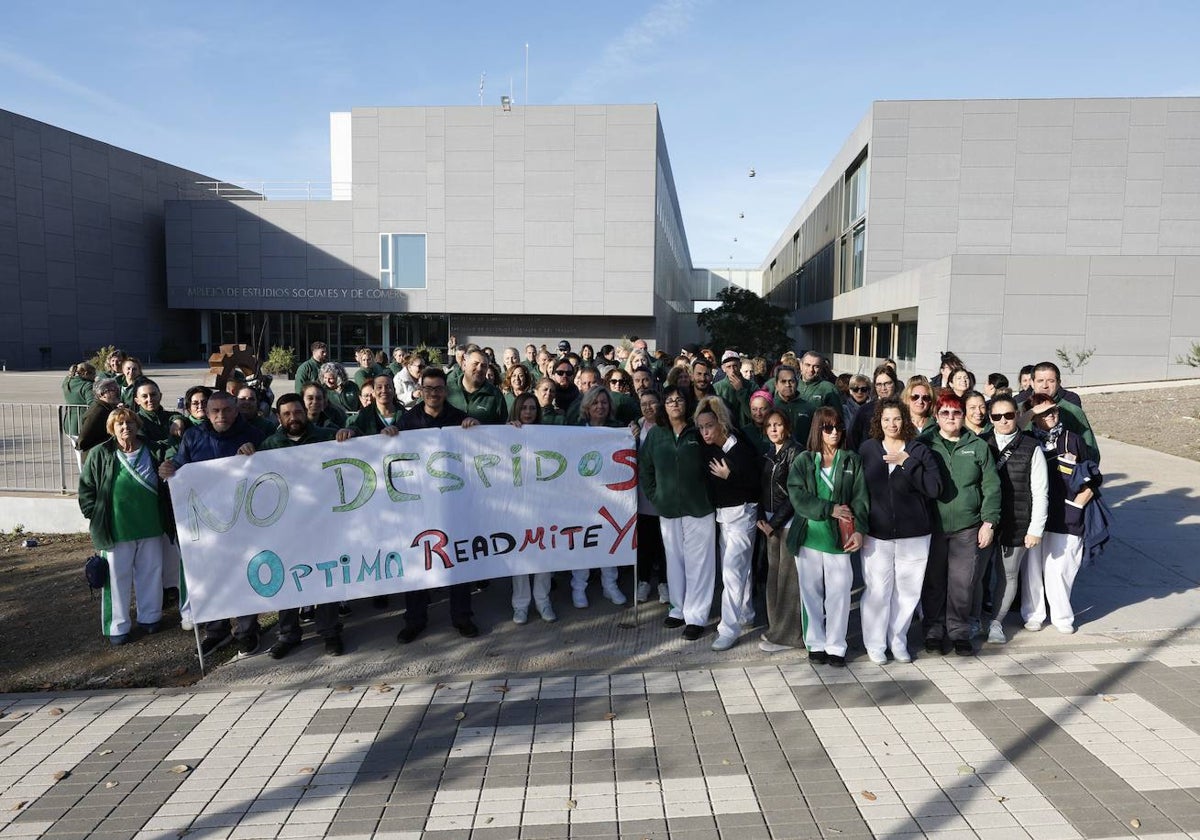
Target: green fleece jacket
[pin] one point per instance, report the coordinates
(970, 483)
(313, 434)
(819, 393)
(672, 472)
(738, 399)
(96, 494)
(485, 404)
(77, 396)
(849, 488)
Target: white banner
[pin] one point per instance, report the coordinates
(339, 521)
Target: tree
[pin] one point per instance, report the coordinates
(746, 323)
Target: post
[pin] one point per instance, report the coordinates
(62, 465)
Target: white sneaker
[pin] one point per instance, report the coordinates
(520, 616)
(877, 658)
(643, 592)
(186, 626)
(579, 599)
(1033, 626)
(901, 656)
(996, 634)
(767, 646)
(664, 595)
(724, 642)
(547, 613)
(615, 595)
(1066, 631)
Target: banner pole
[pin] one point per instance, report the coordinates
(199, 652)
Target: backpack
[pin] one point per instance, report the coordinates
(95, 571)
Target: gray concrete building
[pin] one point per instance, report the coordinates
(1003, 230)
(81, 248)
(496, 225)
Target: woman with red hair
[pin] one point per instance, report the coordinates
(965, 519)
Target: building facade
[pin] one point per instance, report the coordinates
(495, 225)
(1004, 230)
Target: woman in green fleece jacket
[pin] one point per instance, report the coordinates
(965, 519)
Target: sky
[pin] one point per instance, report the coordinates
(241, 91)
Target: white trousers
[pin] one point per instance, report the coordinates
(522, 593)
(579, 578)
(736, 527)
(136, 564)
(893, 571)
(825, 581)
(690, 543)
(1050, 571)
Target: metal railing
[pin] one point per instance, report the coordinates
(276, 190)
(36, 456)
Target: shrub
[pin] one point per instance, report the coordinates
(1192, 359)
(433, 354)
(99, 359)
(280, 361)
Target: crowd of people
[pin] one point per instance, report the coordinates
(780, 476)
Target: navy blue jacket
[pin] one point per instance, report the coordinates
(204, 443)
(902, 500)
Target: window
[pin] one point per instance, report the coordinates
(906, 340)
(402, 261)
(854, 225)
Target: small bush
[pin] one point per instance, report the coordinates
(281, 361)
(1075, 360)
(1192, 359)
(433, 354)
(99, 359)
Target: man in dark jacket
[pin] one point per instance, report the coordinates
(223, 433)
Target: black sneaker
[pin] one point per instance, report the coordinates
(308, 615)
(248, 645)
(466, 629)
(344, 609)
(211, 644)
(409, 632)
(692, 632)
(282, 648)
(150, 629)
(818, 657)
(963, 647)
(333, 646)
(933, 646)
(836, 661)
(673, 623)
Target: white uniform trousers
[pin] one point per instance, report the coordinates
(522, 593)
(736, 527)
(690, 543)
(1050, 570)
(579, 578)
(893, 571)
(132, 565)
(825, 581)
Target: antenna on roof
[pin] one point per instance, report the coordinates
(482, 76)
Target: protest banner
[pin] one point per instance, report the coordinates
(374, 515)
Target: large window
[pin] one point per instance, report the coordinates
(402, 261)
(854, 225)
(906, 340)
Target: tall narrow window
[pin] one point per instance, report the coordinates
(854, 225)
(402, 261)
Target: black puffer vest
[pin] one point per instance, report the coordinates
(1016, 496)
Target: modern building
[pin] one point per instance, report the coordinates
(495, 225)
(1004, 230)
(82, 263)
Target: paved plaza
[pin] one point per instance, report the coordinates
(604, 725)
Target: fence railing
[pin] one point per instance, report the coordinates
(36, 456)
(275, 190)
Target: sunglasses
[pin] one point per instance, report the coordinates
(562, 373)
(920, 398)
(829, 428)
(861, 389)
(1004, 415)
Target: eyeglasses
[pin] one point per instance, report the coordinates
(920, 398)
(887, 383)
(675, 401)
(829, 428)
(198, 403)
(861, 389)
(1004, 415)
(950, 414)
(433, 389)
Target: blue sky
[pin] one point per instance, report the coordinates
(242, 90)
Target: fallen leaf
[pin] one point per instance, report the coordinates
(1001, 798)
(870, 797)
(383, 688)
(105, 752)
(180, 768)
(965, 769)
(19, 805)
(55, 712)
(342, 688)
(571, 803)
(460, 716)
(304, 771)
(61, 774)
(488, 820)
(707, 713)
(19, 715)
(610, 716)
(111, 784)
(724, 760)
(1108, 698)
(1135, 823)
(440, 685)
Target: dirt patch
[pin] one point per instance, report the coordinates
(1164, 419)
(50, 623)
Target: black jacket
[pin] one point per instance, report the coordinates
(742, 486)
(902, 500)
(776, 465)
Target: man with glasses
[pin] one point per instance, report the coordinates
(798, 411)
(733, 388)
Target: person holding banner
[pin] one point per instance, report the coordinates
(595, 409)
(671, 471)
(295, 430)
(223, 434)
(433, 412)
(119, 494)
(525, 412)
(733, 483)
(320, 412)
(383, 418)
